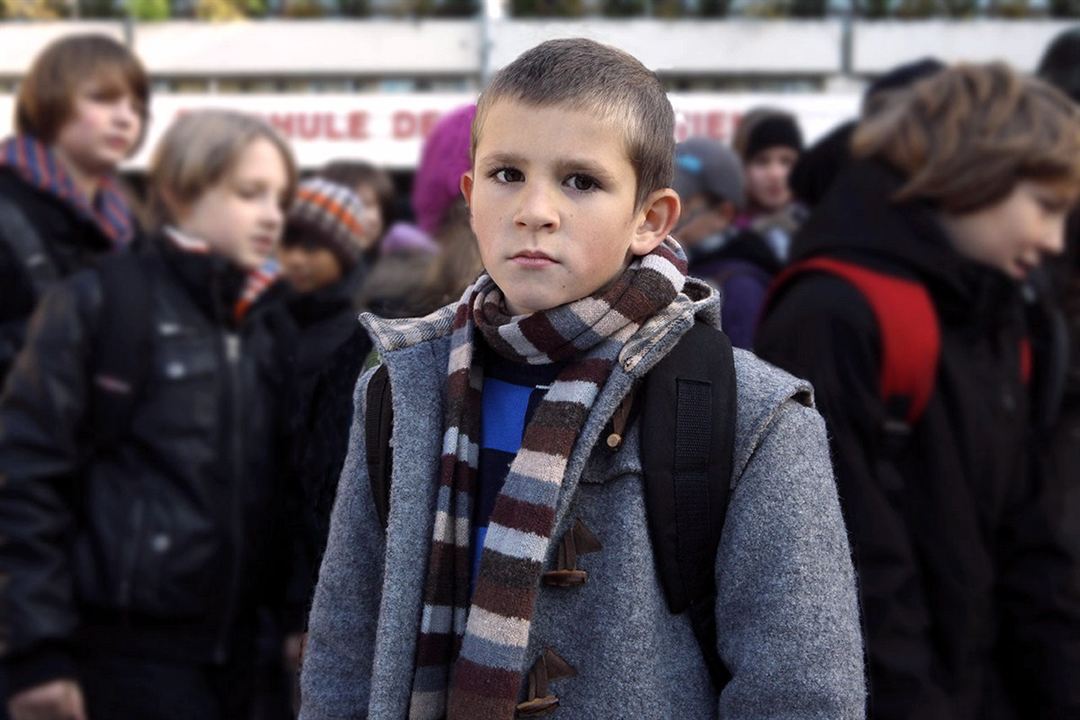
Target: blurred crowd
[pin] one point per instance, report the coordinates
(179, 371)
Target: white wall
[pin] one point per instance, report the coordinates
(882, 45)
(389, 129)
(733, 47)
(281, 47)
(454, 47)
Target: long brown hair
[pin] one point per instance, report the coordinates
(964, 138)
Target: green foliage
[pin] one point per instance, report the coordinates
(960, 8)
(456, 8)
(99, 9)
(873, 9)
(32, 10)
(1011, 9)
(916, 9)
(772, 9)
(668, 9)
(218, 10)
(302, 9)
(766, 8)
(149, 10)
(808, 8)
(1064, 8)
(715, 8)
(354, 8)
(623, 8)
(547, 8)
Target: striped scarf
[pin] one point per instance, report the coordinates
(471, 651)
(36, 164)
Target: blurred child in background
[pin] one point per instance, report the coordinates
(80, 112)
(139, 441)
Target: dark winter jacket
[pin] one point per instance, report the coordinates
(72, 242)
(322, 321)
(326, 355)
(158, 542)
(743, 269)
(1063, 446)
(969, 595)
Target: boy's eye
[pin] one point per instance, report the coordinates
(249, 192)
(508, 175)
(582, 183)
(1054, 206)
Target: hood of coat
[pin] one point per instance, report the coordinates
(857, 220)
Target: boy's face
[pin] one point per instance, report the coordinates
(104, 126)
(242, 216)
(1017, 233)
(308, 269)
(767, 177)
(372, 219)
(551, 196)
(702, 217)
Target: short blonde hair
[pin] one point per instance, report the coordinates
(47, 93)
(199, 150)
(964, 137)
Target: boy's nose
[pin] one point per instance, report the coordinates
(125, 113)
(536, 210)
(273, 216)
(1054, 240)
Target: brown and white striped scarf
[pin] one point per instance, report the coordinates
(471, 651)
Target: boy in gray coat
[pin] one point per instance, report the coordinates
(499, 402)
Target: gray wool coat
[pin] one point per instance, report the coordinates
(786, 610)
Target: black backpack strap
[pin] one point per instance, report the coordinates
(691, 394)
(26, 244)
(378, 425)
(123, 345)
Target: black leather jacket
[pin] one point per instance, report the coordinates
(71, 243)
(162, 542)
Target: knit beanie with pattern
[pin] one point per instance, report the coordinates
(326, 214)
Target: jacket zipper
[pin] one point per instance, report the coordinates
(232, 351)
(131, 552)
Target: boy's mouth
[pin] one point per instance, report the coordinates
(532, 258)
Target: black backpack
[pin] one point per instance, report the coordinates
(120, 358)
(25, 244)
(690, 393)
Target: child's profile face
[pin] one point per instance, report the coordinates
(1016, 234)
(103, 129)
(242, 216)
(308, 269)
(552, 199)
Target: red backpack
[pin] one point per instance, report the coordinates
(910, 340)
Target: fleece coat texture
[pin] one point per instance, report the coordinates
(786, 610)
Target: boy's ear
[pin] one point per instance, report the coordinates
(656, 220)
(466, 186)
